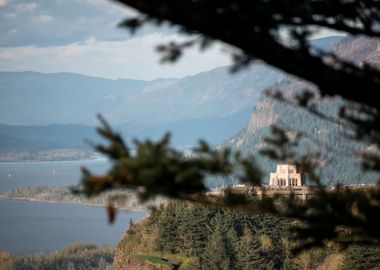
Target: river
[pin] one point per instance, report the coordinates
(27, 227)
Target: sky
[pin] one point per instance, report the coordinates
(82, 36)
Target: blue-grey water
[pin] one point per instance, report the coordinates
(55, 173)
(27, 227)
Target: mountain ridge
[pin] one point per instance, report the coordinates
(213, 105)
(320, 134)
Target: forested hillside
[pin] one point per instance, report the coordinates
(186, 236)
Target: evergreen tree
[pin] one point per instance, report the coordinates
(232, 242)
(215, 255)
(168, 237)
(361, 257)
(196, 230)
(249, 253)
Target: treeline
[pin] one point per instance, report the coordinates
(64, 154)
(221, 238)
(120, 199)
(201, 237)
(77, 256)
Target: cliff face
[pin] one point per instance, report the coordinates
(323, 134)
(359, 50)
(262, 117)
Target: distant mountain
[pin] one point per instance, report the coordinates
(46, 137)
(31, 98)
(215, 93)
(187, 132)
(46, 143)
(59, 109)
(323, 135)
(212, 105)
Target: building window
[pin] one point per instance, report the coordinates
(294, 181)
(282, 182)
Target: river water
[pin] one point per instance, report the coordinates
(27, 227)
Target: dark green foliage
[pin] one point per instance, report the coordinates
(249, 252)
(157, 168)
(356, 210)
(361, 257)
(220, 238)
(239, 240)
(194, 230)
(168, 238)
(215, 255)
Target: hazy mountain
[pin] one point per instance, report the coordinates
(322, 135)
(209, 94)
(187, 132)
(46, 137)
(212, 105)
(31, 98)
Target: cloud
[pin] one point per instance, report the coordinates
(25, 7)
(3, 2)
(10, 15)
(65, 21)
(134, 58)
(95, 2)
(45, 18)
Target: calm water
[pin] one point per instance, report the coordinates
(27, 227)
(60, 173)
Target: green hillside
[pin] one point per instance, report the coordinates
(186, 236)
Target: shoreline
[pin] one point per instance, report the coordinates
(142, 209)
(94, 158)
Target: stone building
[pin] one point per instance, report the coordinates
(286, 175)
